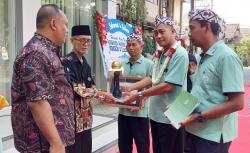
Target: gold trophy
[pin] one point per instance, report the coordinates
(116, 65)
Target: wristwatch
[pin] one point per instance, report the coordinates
(140, 96)
(200, 118)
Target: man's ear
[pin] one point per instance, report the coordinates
(208, 26)
(142, 45)
(71, 40)
(53, 24)
(173, 30)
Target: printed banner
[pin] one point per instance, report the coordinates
(115, 48)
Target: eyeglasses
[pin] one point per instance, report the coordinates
(84, 41)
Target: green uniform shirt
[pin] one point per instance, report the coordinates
(141, 68)
(175, 73)
(219, 71)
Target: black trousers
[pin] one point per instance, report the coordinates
(187, 142)
(66, 150)
(83, 143)
(166, 139)
(200, 145)
(130, 128)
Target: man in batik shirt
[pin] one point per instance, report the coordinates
(79, 75)
(42, 99)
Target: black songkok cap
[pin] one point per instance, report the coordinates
(80, 30)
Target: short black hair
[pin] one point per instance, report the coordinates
(45, 13)
(214, 26)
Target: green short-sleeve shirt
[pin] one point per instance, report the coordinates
(175, 73)
(219, 72)
(141, 68)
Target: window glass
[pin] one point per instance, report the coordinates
(153, 1)
(78, 12)
(6, 47)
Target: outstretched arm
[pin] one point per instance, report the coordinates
(234, 103)
(153, 91)
(144, 83)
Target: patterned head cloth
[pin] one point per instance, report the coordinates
(134, 36)
(164, 20)
(209, 16)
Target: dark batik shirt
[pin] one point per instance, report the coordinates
(39, 75)
(80, 73)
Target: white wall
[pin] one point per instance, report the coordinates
(109, 8)
(30, 8)
(177, 8)
(153, 11)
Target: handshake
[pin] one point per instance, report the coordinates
(132, 100)
(133, 97)
(93, 92)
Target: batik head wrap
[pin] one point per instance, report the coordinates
(134, 36)
(209, 16)
(164, 20)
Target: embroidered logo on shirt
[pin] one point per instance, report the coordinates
(89, 79)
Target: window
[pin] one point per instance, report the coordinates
(78, 12)
(153, 1)
(7, 46)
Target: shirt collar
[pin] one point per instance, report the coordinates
(212, 49)
(46, 41)
(75, 58)
(139, 60)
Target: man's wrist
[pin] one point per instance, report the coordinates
(56, 141)
(199, 117)
(100, 95)
(140, 95)
(129, 89)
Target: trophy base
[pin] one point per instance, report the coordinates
(120, 103)
(124, 81)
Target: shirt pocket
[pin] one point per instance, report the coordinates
(209, 76)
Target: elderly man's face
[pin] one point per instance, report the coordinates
(196, 33)
(81, 43)
(134, 48)
(164, 35)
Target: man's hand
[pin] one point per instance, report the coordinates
(124, 94)
(126, 88)
(109, 98)
(192, 118)
(131, 98)
(106, 97)
(57, 148)
(135, 109)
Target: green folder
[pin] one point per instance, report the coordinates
(181, 108)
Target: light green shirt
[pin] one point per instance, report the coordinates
(141, 68)
(175, 73)
(219, 71)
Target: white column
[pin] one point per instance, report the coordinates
(1, 145)
(109, 8)
(30, 8)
